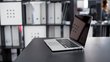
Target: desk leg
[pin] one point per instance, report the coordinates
(6, 55)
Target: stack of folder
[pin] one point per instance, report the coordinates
(12, 36)
(36, 13)
(54, 13)
(54, 31)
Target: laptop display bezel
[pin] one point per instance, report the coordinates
(80, 17)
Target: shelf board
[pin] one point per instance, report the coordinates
(35, 25)
(46, 24)
(100, 24)
(11, 47)
(58, 24)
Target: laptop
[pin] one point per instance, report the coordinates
(77, 37)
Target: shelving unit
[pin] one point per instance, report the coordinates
(54, 20)
(11, 34)
(100, 29)
(41, 29)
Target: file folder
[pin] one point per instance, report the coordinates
(58, 13)
(29, 14)
(15, 36)
(11, 12)
(54, 31)
(31, 32)
(43, 13)
(51, 13)
(66, 31)
(51, 31)
(8, 36)
(36, 12)
(57, 31)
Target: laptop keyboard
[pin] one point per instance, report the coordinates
(66, 43)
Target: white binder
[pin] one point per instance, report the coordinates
(11, 13)
(29, 16)
(54, 31)
(66, 31)
(57, 31)
(51, 31)
(51, 13)
(58, 13)
(31, 32)
(43, 13)
(15, 36)
(8, 36)
(36, 12)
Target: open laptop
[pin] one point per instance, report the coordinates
(77, 38)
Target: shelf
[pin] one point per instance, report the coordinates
(47, 24)
(10, 25)
(58, 24)
(35, 25)
(99, 24)
(11, 47)
(54, 1)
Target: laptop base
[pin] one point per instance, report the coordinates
(55, 46)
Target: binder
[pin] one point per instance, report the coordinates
(11, 12)
(29, 11)
(54, 31)
(57, 31)
(51, 31)
(15, 36)
(66, 31)
(51, 13)
(36, 12)
(31, 32)
(58, 13)
(43, 13)
(8, 36)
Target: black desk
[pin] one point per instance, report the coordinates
(96, 50)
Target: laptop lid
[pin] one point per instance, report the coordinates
(79, 28)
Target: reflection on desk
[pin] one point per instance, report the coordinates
(97, 49)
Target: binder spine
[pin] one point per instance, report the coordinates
(43, 13)
(36, 12)
(58, 13)
(8, 35)
(15, 35)
(51, 13)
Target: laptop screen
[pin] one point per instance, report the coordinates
(79, 28)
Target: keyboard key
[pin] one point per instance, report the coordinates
(66, 43)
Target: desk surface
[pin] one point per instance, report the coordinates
(96, 50)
